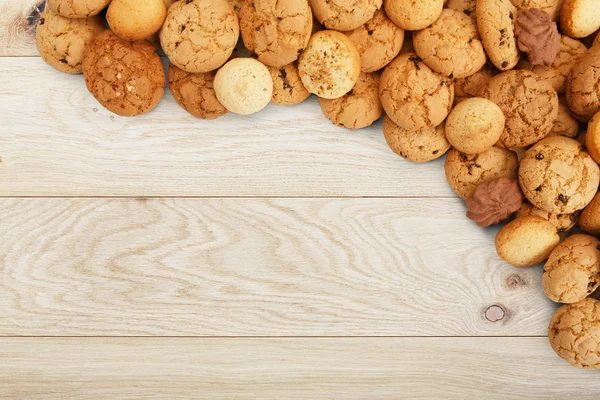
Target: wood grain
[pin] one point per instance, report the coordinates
(63, 143)
(337, 368)
(18, 19)
(258, 267)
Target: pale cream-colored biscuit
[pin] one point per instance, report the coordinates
(379, 41)
(344, 15)
(583, 91)
(416, 146)
(277, 31)
(580, 18)
(592, 138)
(496, 22)
(61, 41)
(414, 96)
(200, 35)
(195, 93)
(77, 8)
(526, 241)
(464, 172)
(558, 176)
(330, 65)
(551, 7)
(287, 85)
(474, 125)
(562, 222)
(451, 45)
(136, 19)
(571, 51)
(244, 86)
(529, 103)
(590, 217)
(412, 15)
(574, 333)
(358, 108)
(565, 124)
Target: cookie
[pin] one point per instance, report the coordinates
(570, 53)
(378, 41)
(199, 35)
(237, 6)
(592, 138)
(562, 222)
(244, 86)
(465, 6)
(590, 217)
(276, 30)
(474, 125)
(414, 96)
(451, 45)
(537, 37)
(564, 124)
(494, 202)
(529, 103)
(77, 8)
(465, 172)
(136, 19)
(574, 333)
(474, 85)
(344, 15)
(580, 18)
(557, 176)
(416, 146)
(62, 41)
(330, 65)
(195, 93)
(583, 91)
(125, 77)
(287, 85)
(551, 7)
(572, 272)
(412, 17)
(526, 241)
(496, 22)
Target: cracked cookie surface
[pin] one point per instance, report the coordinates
(200, 35)
(62, 41)
(451, 45)
(344, 15)
(195, 93)
(496, 22)
(464, 172)
(77, 8)
(414, 96)
(557, 176)
(413, 15)
(465, 6)
(474, 85)
(529, 103)
(562, 222)
(551, 7)
(125, 77)
(357, 109)
(416, 146)
(574, 333)
(583, 86)
(276, 30)
(287, 85)
(572, 271)
(564, 124)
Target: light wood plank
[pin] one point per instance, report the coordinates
(18, 19)
(258, 267)
(336, 368)
(63, 143)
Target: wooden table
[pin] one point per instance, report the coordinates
(272, 256)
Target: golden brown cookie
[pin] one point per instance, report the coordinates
(572, 272)
(287, 85)
(565, 124)
(451, 45)
(416, 146)
(496, 22)
(574, 333)
(551, 7)
(526, 241)
(344, 15)
(62, 41)
(474, 85)
(414, 96)
(77, 8)
(412, 16)
(583, 91)
(558, 176)
(136, 19)
(562, 222)
(125, 77)
(200, 35)
(357, 109)
(276, 30)
(464, 172)
(590, 217)
(195, 93)
(474, 125)
(592, 138)
(330, 65)
(580, 18)
(571, 51)
(237, 6)
(529, 103)
(464, 6)
(378, 41)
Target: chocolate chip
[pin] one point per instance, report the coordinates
(563, 199)
(539, 156)
(538, 189)
(42, 20)
(415, 60)
(505, 64)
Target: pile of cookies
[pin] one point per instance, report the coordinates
(503, 88)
